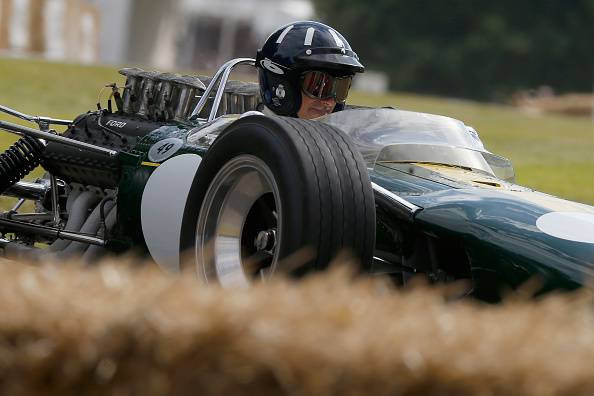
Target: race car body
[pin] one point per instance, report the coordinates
(200, 178)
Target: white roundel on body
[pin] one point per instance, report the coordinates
(571, 226)
(164, 149)
(162, 208)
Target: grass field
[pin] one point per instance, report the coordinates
(551, 153)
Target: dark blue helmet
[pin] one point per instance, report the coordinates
(294, 49)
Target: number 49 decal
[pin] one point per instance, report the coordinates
(164, 149)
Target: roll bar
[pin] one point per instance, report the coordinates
(221, 76)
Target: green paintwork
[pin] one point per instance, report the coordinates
(496, 226)
(134, 177)
(136, 170)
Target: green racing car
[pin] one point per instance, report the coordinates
(187, 171)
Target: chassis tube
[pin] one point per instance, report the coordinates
(398, 206)
(30, 118)
(27, 190)
(14, 225)
(22, 130)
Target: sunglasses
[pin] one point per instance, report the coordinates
(322, 85)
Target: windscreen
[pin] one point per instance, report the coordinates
(390, 135)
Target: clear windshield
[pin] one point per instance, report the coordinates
(389, 135)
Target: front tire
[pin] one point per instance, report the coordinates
(269, 187)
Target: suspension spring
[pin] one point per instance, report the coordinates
(20, 159)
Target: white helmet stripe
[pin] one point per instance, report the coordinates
(337, 39)
(283, 34)
(309, 36)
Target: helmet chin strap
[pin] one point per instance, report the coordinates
(338, 107)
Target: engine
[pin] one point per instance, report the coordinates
(149, 101)
(76, 203)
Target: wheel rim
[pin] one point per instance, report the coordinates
(236, 224)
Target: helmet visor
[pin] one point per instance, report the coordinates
(321, 85)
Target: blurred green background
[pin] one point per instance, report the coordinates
(478, 49)
(551, 153)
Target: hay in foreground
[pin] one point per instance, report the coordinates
(118, 330)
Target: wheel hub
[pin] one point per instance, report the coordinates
(236, 235)
(265, 240)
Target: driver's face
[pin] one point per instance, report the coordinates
(314, 108)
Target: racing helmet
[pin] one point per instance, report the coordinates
(297, 48)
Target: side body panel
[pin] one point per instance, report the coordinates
(496, 224)
(136, 171)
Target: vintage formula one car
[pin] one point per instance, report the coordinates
(187, 165)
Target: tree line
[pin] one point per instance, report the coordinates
(478, 49)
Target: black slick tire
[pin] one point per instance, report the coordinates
(327, 199)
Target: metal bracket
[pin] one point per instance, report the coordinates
(55, 201)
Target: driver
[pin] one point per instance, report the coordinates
(305, 70)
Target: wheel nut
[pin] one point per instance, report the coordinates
(266, 240)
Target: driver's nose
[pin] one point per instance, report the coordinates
(330, 102)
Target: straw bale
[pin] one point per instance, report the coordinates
(125, 330)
